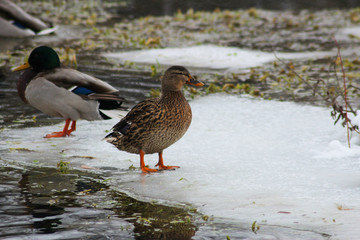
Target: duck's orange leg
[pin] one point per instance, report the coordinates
(65, 132)
(72, 128)
(145, 169)
(162, 166)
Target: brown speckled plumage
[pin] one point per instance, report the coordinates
(155, 124)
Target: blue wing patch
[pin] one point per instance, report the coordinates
(82, 91)
(19, 25)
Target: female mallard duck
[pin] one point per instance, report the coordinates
(15, 22)
(63, 92)
(155, 124)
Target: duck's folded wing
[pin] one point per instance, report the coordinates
(105, 96)
(69, 78)
(9, 30)
(14, 12)
(59, 102)
(141, 114)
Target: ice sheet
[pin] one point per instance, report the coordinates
(243, 159)
(209, 56)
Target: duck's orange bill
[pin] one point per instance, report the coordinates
(192, 81)
(21, 67)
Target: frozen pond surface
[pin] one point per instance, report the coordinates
(209, 56)
(245, 160)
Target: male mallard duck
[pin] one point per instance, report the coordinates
(155, 124)
(63, 92)
(15, 22)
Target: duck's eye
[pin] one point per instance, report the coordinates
(179, 73)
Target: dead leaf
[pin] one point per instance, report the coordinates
(89, 167)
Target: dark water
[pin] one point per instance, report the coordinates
(43, 203)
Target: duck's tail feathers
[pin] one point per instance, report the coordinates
(118, 113)
(110, 105)
(47, 31)
(120, 129)
(112, 137)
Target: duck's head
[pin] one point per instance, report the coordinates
(175, 78)
(41, 59)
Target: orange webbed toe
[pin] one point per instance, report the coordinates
(56, 134)
(148, 170)
(163, 167)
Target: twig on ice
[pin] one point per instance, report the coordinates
(345, 92)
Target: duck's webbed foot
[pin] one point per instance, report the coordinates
(55, 134)
(161, 165)
(145, 169)
(65, 132)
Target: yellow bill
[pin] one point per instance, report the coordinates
(21, 67)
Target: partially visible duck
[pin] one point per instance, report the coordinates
(155, 124)
(15, 22)
(64, 92)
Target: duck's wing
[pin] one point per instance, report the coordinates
(59, 102)
(88, 88)
(12, 11)
(143, 114)
(9, 30)
(71, 78)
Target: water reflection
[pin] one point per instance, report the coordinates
(39, 197)
(41, 202)
(152, 221)
(44, 202)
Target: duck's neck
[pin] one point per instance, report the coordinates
(172, 97)
(24, 80)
